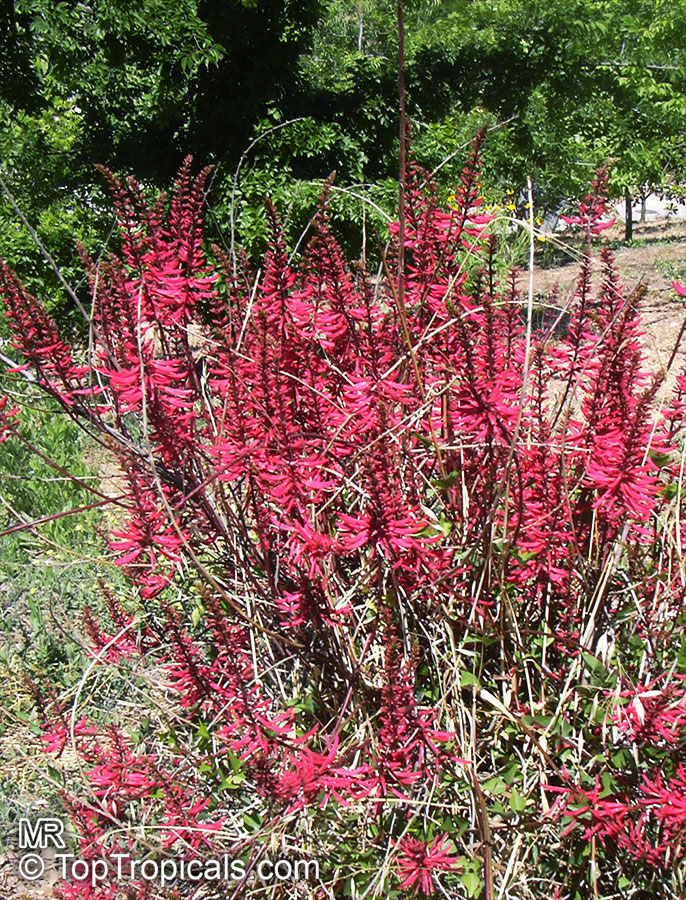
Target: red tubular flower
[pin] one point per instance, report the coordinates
(649, 823)
(120, 775)
(594, 207)
(417, 862)
(8, 413)
(624, 482)
(36, 336)
(655, 712)
(56, 735)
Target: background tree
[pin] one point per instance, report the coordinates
(311, 88)
(576, 83)
(134, 86)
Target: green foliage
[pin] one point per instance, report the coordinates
(133, 86)
(49, 571)
(581, 82)
(564, 86)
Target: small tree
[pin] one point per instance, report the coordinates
(404, 569)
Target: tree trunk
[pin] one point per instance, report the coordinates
(628, 218)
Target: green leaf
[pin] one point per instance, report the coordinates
(472, 883)
(595, 666)
(252, 824)
(468, 679)
(517, 801)
(495, 785)
(232, 782)
(450, 480)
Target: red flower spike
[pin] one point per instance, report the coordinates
(594, 207)
(8, 413)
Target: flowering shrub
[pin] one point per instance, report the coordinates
(407, 579)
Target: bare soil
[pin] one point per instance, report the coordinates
(655, 258)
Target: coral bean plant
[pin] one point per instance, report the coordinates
(406, 569)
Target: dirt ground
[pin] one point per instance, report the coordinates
(656, 256)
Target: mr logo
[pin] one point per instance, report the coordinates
(41, 834)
